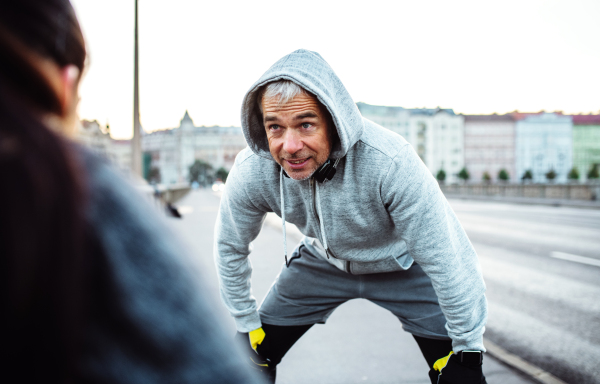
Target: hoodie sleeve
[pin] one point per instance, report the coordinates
(439, 244)
(238, 223)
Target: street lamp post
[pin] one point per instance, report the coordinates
(136, 147)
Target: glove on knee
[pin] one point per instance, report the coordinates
(256, 358)
(450, 370)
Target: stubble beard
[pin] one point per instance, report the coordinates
(308, 174)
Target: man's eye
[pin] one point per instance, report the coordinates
(274, 127)
(306, 125)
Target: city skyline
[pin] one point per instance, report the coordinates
(474, 58)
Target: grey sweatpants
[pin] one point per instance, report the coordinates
(310, 289)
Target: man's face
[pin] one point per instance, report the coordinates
(298, 134)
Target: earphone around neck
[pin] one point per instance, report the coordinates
(326, 171)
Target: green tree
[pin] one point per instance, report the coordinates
(441, 176)
(551, 175)
(464, 174)
(573, 174)
(528, 175)
(503, 175)
(222, 174)
(594, 172)
(200, 172)
(486, 177)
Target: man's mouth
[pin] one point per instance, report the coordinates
(297, 163)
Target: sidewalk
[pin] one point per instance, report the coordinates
(361, 342)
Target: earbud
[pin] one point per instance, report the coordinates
(326, 171)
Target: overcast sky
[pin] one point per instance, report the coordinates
(472, 56)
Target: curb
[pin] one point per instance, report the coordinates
(518, 364)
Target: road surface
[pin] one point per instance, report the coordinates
(542, 269)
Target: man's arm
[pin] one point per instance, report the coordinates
(238, 223)
(439, 244)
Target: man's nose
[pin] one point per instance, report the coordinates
(292, 142)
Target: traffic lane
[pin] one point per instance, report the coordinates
(541, 308)
(561, 301)
(558, 215)
(529, 245)
(550, 319)
(546, 234)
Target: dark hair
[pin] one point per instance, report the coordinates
(42, 228)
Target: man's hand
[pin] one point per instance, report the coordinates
(256, 337)
(451, 370)
(250, 343)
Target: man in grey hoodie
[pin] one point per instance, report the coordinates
(376, 226)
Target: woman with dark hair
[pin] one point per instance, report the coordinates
(92, 286)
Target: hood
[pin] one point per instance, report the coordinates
(310, 71)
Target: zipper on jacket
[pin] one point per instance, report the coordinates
(313, 186)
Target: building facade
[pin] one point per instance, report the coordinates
(490, 146)
(96, 138)
(543, 143)
(437, 135)
(586, 143)
(91, 135)
(173, 151)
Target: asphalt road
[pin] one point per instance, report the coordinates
(542, 269)
(361, 343)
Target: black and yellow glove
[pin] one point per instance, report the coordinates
(252, 344)
(458, 368)
(256, 337)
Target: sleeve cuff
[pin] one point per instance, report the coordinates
(248, 322)
(468, 345)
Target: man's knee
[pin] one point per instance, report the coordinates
(279, 339)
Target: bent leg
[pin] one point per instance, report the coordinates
(433, 349)
(455, 372)
(278, 340)
(410, 296)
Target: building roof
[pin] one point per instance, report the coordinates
(523, 115)
(390, 111)
(430, 111)
(186, 118)
(493, 117)
(586, 119)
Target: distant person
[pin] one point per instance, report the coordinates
(94, 289)
(377, 226)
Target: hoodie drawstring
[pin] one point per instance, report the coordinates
(320, 213)
(283, 216)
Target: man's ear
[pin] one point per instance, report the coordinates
(69, 80)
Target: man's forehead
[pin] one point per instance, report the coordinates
(301, 103)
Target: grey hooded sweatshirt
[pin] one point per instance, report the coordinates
(382, 210)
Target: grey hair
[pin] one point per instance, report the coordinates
(285, 90)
